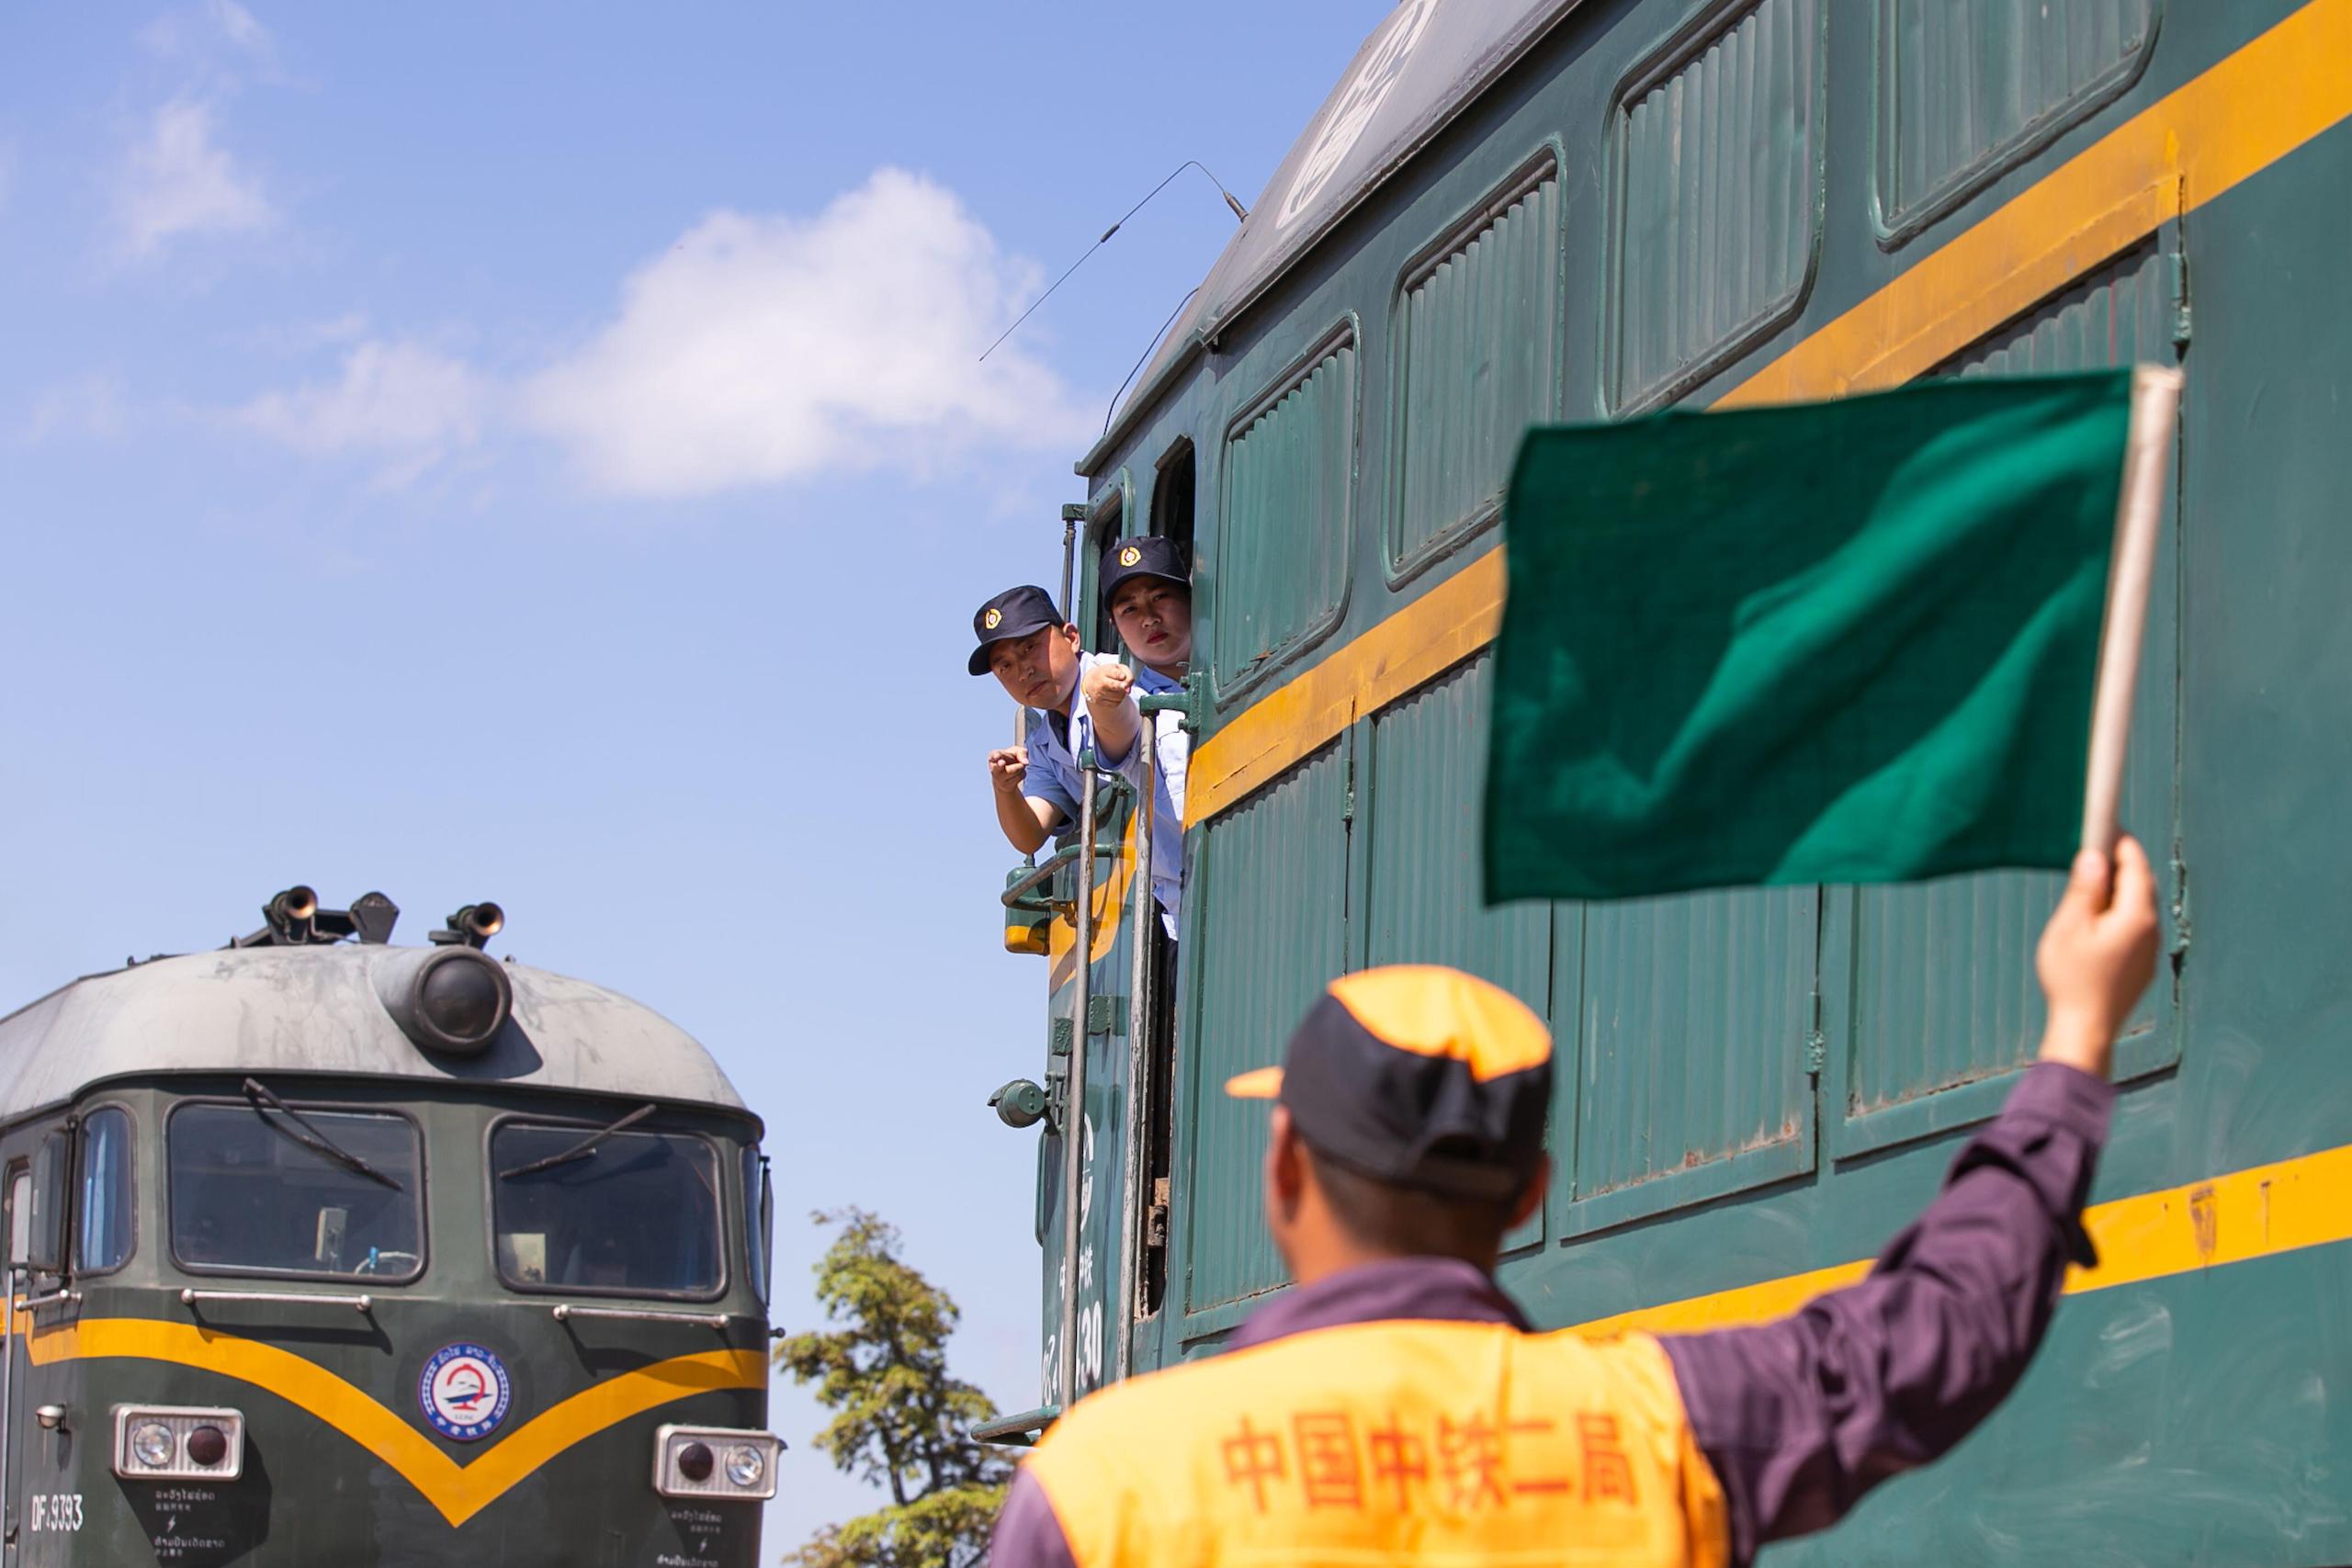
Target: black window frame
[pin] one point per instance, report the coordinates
(77, 1267)
(759, 1235)
(1106, 525)
(344, 1108)
(719, 1251)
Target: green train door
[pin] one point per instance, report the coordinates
(31, 1471)
(35, 1181)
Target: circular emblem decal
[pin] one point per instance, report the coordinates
(464, 1391)
(1354, 109)
(1129, 556)
(991, 618)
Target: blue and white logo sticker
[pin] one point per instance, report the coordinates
(464, 1391)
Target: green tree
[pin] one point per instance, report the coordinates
(901, 1418)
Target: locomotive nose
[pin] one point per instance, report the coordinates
(452, 1000)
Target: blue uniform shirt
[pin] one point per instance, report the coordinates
(1054, 741)
(1055, 744)
(1170, 749)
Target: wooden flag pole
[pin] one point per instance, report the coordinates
(2139, 507)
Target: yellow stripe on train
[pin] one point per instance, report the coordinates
(2260, 1212)
(457, 1491)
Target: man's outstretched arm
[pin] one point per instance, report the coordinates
(1801, 1417)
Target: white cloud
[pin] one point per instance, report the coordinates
(760, 350)
(199, 32)
(237, 25)
(401, 403)
(89, 406)
(178, 181)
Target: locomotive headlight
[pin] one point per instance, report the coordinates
(715, 1463)
(463, 1000)
(151, 1444)
(178, 1442)
(452, 999)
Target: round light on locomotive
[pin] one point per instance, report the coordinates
(451, 1000)
(695, 1462)
(744, 1466)
(208, 1446)
(151, 1444)
(463, 1001)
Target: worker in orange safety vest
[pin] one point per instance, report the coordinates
(1394, 1406)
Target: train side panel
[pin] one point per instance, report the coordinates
(1787, 199)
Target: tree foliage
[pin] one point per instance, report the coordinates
(899, 1419)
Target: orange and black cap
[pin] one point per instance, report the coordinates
(1419, 1077)
(1015, 613)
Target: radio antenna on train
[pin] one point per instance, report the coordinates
(1240, 215)
(1162, 333)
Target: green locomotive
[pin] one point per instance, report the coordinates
(323, 1251)
(1543, 210)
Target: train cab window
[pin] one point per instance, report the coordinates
(1171, 498)
(1102, 532)
(102, 1229)
(284, 1190)
(20, 1216)
(759, 1217)
(631, 1213)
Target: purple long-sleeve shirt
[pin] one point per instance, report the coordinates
(1800, 1417)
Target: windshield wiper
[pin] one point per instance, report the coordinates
(310, 1137)
(583, 1148)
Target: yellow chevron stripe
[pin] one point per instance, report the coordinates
(2257, 1213)
(2231, 121)
(458, 1492)
(1110, 903)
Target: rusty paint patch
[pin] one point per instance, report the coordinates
(2204, 1220)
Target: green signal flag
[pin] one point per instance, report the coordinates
(1850, 641)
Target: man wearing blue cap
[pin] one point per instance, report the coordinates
(1395, 1407)
(1143, 583)
(1033, 653)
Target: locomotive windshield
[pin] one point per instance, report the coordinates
(636, 1214)
(249, 1197)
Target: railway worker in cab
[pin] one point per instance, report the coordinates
(1033, 653)
(1144, 584)
(1393, 1407)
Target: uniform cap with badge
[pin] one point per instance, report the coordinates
(1015, 613)
(1144, 556)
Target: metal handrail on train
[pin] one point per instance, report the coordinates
(1073, 1118)
(55, 1298)
(191, 1297)
(1147, 745)
(1044, 870)
(566, 1311)
(1142, 1005)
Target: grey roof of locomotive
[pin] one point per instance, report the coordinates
(310, 1011)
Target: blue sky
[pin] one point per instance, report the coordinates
(536, 453)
